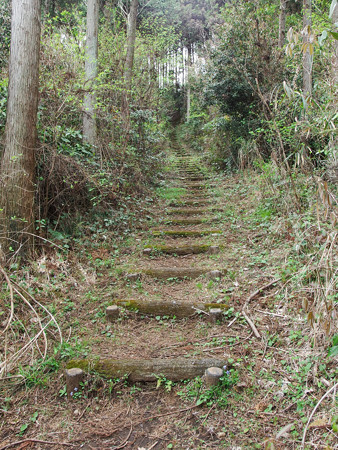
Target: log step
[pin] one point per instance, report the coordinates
(181, 273)
(183, 203)
(189, 211)
(181, 251)
(185, 233)
(170, 308)
(148, 370)
(184, 221)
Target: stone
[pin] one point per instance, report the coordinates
(213, 250)
(74, 378)
(212, 376)
(215, 315)
(112, 313)
(214, 275)
(133, 276)
(147, 251)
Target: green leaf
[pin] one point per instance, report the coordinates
(23, 428)
(334, 34)
(333, 351)
(332, 7)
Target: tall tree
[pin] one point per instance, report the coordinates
(131, 36)
(18, 161)
(282, 20)
(129, 62)
(307, 53)
(91, 55)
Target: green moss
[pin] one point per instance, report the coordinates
(184, 250)
(185, 233)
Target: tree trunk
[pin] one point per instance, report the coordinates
(282, 20)
(307, 56)
(18, 161)
(332, 163)
(131, 36)
(91, 54)
(189, 83)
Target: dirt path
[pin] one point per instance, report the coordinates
(207, 252)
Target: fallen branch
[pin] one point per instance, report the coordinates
(37, 441)
(11, 297)
(252, 325)
(334, 387)
(266, 286)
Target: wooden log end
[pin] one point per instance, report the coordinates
(212, 376)
(215, 315)
(74, 378)
(112, 313)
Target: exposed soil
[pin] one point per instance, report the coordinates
(278, 378)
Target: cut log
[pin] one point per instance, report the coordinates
(170, 308)
(74, 378)
(184, 221)
(112, 313)
(188, 211)
(212, 376)
(181, 251)
(179, 273)
(185, 233)
(196, 202)
(148, 370)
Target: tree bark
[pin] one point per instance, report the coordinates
(18, 161)
(307, 57)
(332, 163)
(91, 55)
(282, 20)
(189, 83)
(131, 37)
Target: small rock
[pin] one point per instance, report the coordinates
(133, 276)
(147, 251)
(214, 275)
(240, 387)
(76, 412)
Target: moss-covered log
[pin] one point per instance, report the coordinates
(196, 202)
(179, 273)
(185, 233)
(181, 251)
(170, 308)
(148, 370)
(184, 221)
(188, 211)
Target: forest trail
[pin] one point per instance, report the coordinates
(180, 286)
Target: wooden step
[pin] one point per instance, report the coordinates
(181, 273)
(189, 211)
(169, 308)
(196, 202)
(185, 233)
(148, 370)
(181, 251)
(191, 221)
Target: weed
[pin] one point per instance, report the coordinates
(216, 395)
